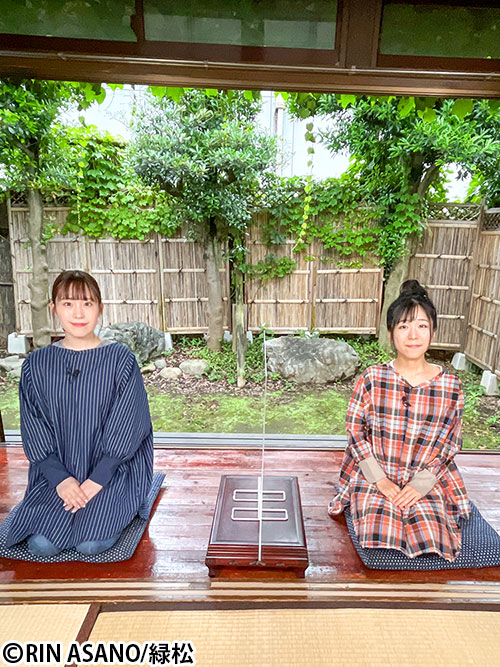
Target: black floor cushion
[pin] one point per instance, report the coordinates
(480, 548)
(123, 549)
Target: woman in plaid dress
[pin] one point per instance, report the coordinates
(404, 427)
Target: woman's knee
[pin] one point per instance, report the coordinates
(91, 547)
(41, 546)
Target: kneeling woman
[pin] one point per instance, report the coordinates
(86, 432)
(404, 427)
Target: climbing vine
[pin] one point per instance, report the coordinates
(107, 198)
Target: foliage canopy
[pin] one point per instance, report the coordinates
(207, 155)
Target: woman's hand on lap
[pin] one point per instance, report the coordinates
(71, 493)
(388, 488)
(90, 488)
(407, 497)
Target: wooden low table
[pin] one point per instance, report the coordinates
(234, 538)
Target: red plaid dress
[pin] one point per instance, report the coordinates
(407, 434)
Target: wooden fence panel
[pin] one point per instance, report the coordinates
(483, 330)
(7, 304)
(128, 274)
(282, 304)
(442, 264)
(185, 286)
(317, 294)
(346, 299)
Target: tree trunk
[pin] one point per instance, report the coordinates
(391, 291)
(239, 327)
(215, 303)
(39, 283)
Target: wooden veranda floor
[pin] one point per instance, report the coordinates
(168, 566)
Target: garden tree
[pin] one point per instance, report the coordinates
(33, 160)
(485, 183)
(400, 149)
(205, 152)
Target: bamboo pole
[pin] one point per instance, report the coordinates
(313, 300)
(161, 269)
(440, 256)
(472, 276)
(13, 257)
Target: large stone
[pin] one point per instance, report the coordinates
(160, 363)
(145, 342)
(16, 372)
(12, 365)
(193, 367)
(317, 360)
(171, 373)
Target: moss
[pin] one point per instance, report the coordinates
(314, 413)
(9, 406)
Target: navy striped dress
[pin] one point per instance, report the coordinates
(84, 413)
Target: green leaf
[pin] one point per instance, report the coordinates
(406, 106)
(494, 106)
(89, 92)
(174, 94)
(462, 107)
(101, 96)
(429, 115)
(157, 91)
(211, 92)
(248, 95)
(346, 100)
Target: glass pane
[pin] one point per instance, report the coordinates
(99, 19)
(436, 30)
(283, 23)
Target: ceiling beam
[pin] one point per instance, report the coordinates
(188, 73)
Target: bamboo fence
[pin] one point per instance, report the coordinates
(442, 264)
(7, 309)
(133, 276)
(162, 281)
(317, 294)
(482, 343)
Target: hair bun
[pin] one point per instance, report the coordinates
(413, 288)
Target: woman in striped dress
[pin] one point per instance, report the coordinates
(404, 427)
(86, 432)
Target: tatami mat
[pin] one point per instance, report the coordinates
(41, 623)
(326, 637)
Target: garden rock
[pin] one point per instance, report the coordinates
(148, 369)
(145, 342)
(194, 367)
(12, 365)
(160, 363)
(171, 373)
(317, 360)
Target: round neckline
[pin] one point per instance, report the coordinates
(420, 384)
(86, 349)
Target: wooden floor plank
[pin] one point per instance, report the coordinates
(174, 545)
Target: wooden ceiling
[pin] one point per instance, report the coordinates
(354, 63)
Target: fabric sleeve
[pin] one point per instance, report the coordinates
(37, 432)
(127, 424)
(358, 434)
(443, 451)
